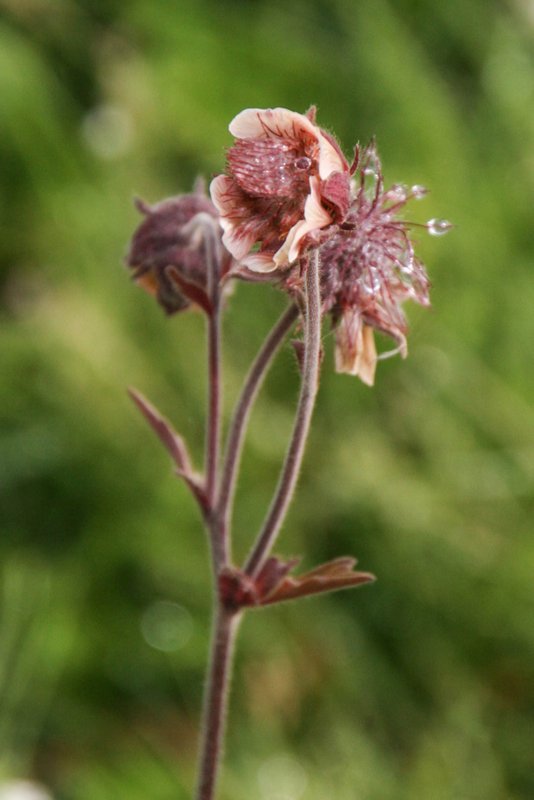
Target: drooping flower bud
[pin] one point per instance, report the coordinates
(286, 179)
(175, 247)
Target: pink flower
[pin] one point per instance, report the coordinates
(286, 178)
(369, 269)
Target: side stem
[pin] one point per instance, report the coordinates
(216, 701)
(236, 435)
(308, 391)
(214, 403)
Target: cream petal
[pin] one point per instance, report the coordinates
(258, 123)
(315, 216)
(259, 262)
(355, 352)
(289, 250)
(349, 344)
(368, 357)
(236, 240)
(314, 211)
(221, 194)
(329, 159)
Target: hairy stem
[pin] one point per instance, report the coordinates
(214, 404)
(236, 435)
(308, 391)
(216, 701)
(213, 423)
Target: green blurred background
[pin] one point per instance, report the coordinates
(421, 686)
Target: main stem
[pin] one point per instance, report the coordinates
(293, 460)
(216, 700)
(225, 621)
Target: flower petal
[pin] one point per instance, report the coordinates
(222, 191)
(256, 123)
(355, 352)
(329, 159)
(368, 359)
(259, 262)
(315, 217)
(238, 240)
(237, 237)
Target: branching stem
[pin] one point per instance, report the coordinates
(241, 415)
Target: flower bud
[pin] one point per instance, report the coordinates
(174, 249)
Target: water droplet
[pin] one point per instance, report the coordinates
(397, 193)
(438, 227)
(418, 191)
(302, 163)
(166, 626)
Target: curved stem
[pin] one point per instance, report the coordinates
(214, 403)
(236, 435)
(216, 701)
(308, 391)
(213, 423)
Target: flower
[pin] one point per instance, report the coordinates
(171, 249)
(369, 269)
(286, 178)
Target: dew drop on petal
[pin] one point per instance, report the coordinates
(303, 163)
(438, 227)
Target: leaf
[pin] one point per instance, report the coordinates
(329, 577)
(175, 446)
(172, 441)
(273, 584)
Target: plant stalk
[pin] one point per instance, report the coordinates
(216, 700)
(308, 391)
(238, 426)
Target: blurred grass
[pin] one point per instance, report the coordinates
(420, 686)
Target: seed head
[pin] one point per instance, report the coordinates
(369, 269)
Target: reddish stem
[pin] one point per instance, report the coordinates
(214, 404)
(216, 701)
(293, 460)
(242, 412)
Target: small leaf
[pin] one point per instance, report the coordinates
(336, 574)
(172, 441)
(273, 573)
(196, 485)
